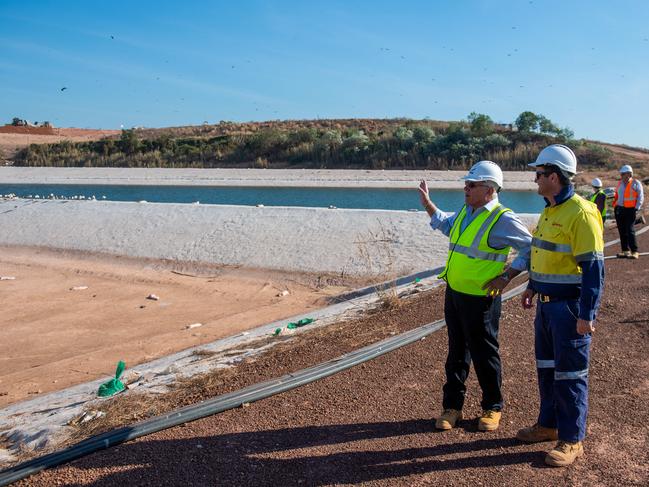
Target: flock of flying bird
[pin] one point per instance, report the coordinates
(388, 50)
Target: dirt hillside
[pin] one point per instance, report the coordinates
(15, 138)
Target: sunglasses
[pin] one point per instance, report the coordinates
(472, 185)
(542, 173)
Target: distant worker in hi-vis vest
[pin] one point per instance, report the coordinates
(627, 202)
(567, 273)
(481, 235)
(598, 197)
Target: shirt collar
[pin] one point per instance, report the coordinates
(488, 207)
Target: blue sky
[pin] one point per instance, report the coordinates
(583, 64)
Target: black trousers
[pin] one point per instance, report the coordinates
(472, 325)
(625, 219)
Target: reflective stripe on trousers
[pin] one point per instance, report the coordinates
(562, 357)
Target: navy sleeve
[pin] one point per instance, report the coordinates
(600, 201)
(592, 283)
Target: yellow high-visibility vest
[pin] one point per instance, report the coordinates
(471, 262)
(594, 197)
(566, 235)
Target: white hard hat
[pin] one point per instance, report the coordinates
(485, 171)
(626, 168)
(597, 183)
(557, 155)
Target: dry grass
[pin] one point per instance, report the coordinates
(239, 129)
(376, 251)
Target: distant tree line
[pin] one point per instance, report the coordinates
(410, 144)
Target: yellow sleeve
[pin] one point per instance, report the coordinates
(587, 236)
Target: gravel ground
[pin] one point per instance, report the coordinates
(374, 424)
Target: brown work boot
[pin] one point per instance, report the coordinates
(564, 454)
(623, 255)
(634, 255)
(537, 433)
(448, 419)
(489, 420)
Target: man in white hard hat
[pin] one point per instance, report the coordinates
(567, 273)
(627, 202)
(598, 197)
(481, 235)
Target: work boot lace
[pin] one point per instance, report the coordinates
(564, 447)
(489, 414)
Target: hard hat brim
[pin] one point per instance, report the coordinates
(537, 164)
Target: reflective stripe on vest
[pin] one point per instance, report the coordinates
(471, 262)
(556, 278)
(630, 197)
(552, 247)
(476, 253)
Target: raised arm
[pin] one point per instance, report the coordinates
(428, 205)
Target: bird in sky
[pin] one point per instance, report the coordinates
(112, 37)
(64, 88)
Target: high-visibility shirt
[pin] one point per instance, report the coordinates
(594, 197)
(471, 262)
(567, 234)
(629, 195)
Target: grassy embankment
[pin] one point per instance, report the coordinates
(333, 144)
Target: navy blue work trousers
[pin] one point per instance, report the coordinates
(625, 219)
(562, 357)
(472, 325)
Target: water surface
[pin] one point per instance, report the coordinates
(362, 198)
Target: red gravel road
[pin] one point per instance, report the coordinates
(374, 424)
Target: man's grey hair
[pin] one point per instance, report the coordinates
(494, 185)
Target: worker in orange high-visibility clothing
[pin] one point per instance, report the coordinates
(567, 273)
(627, 201)
(481, 235)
